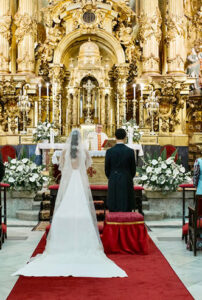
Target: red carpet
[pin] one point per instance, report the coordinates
(150, 277)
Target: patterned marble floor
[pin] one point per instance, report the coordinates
(166, 234)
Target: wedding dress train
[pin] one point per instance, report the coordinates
(73, 245)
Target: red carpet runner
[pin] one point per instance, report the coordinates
(150, 277)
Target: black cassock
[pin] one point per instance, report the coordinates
(120, 169)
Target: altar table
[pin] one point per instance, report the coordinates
(96, 172)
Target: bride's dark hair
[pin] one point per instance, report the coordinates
(74, 144)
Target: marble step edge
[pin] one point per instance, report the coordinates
(152, 215)
(27, 215)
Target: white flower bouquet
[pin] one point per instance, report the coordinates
(42, 131)
(24, 174)
(163, 174)
(132, 130)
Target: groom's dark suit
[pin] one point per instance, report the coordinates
(120, 169)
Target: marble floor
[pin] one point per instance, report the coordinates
(166, 234)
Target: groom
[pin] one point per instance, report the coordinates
(120, 169)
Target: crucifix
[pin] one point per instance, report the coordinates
(89, 87)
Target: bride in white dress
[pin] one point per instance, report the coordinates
(73, 245)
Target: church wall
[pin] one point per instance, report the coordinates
(145, 43)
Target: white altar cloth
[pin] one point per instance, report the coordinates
(93, 153)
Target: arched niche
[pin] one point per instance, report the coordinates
(70, 44)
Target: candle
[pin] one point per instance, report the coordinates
(95, 107)
(47, 87)
(134, 91)
(111, 116)
(142, 87)
(81, 107)
(40, 90)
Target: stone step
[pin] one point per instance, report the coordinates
(152, 215)
(27, 215)
(44, 215)
(39, 196)
(45, 205)
(36, 205)
(145, 205)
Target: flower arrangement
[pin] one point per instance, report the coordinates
(42, 131)
(24, 174)
(163, 173)
(132, 131)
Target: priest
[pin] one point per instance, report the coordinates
(97, 138)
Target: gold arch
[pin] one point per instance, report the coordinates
(73, 36)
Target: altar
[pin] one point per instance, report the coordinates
(96, 172)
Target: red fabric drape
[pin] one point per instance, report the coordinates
(123, 238)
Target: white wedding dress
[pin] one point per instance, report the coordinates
(73, 246)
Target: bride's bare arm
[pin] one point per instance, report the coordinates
(62, 160)
(88, 159)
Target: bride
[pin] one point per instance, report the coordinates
(73, 245)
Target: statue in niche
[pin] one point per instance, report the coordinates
(193, 69)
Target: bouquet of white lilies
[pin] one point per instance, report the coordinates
(42, 131)
(132, 130)
(24, 174)
(163, 173)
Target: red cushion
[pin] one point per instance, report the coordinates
(8, 151)
(123, 217)
(99, 187)
(187, 185)
(138, 188)
(185, 229)
(54, 187)
(4, 185)
(4, 228)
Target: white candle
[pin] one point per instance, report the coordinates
(81, 107)
(142, 87)
(95, 107)
(47, 87)
(134, 91)
(40, 90)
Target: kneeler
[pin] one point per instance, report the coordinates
(125, 232)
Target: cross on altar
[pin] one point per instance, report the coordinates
(89, 86)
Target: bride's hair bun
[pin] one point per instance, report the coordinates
(74, 144)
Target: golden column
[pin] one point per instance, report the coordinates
(5, 34)
(150, 35)
(25, 35)
(103, 107)
(75, 108)
(176, 29)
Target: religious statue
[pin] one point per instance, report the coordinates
(193, 69)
